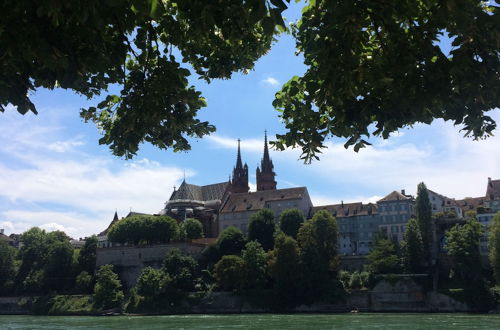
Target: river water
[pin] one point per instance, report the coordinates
(258, 321)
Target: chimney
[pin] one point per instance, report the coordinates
(2, 231)
(489, 182)
(342, 203)
(403, 192)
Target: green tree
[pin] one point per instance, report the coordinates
(374, 67)
(412, 248)
(318, 240)
(383, 259)
(83, 282)
(149, 282)
(58, 267)
(193, 229)
(144, 229)
(231, 241)
(107, 290)
(228, 272)
(7, 267)
(462, 245)
(261, 228)
(255, 260)
(494, 246)
(290, 221)
(364, 70)
(285, 271)
(129, 44)
(182, 270)
(31, 255)
(87, 256)
(46, 261)
(423, 211)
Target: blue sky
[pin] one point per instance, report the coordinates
(53, 173)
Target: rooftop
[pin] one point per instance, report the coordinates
(253, 201)
(395, 196)
(348, 209)
(200, 193)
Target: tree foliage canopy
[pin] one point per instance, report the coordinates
(228, 272)
(412, 248)
(137, 45)
(231, 241)
(261, 228)
(462, 245)
(379, 63)
(383, 258)
(368, 63)
(144, 228)
(423, 210)
(107, 290)
(494, 246)
(193, 229)
(290, 221)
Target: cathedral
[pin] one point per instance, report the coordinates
(231, 203)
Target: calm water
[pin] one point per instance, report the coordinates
(258, 321)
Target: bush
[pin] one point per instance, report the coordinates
(228, 272)
(231, 241)
(290, 222)
(84, 282)
(261, 228)
(144, 228)
(193, 229)
(107, 290)
(149, 283)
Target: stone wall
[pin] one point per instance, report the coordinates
(130, 260)
(11, 306)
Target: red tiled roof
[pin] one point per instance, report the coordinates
(6, 238)
(394, 196)
(493, 189)
(348, 209)
(470, 203)
(253, 201)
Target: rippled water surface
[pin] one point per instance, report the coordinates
(258, 321)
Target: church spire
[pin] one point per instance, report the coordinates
(239, 183)
(265, 174)
(238, 157)
(266, 160)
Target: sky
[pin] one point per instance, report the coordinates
(55, 175)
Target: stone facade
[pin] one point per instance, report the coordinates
(358, 226)
(395, 210)
(238, 208)
(130, 260)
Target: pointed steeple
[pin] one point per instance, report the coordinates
(238, 157)
(239, 183)
(265, 174)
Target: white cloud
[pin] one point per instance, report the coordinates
(252, 145)
(64, 146)
(446, 161)
(319, 200)
(271, 81)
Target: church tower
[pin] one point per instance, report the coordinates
(265, 174)
(239, 183)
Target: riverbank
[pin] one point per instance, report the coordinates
(401, 297)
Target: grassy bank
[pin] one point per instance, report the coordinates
(60, 305)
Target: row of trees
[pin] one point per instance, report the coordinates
(46, 262)
(148, 229)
